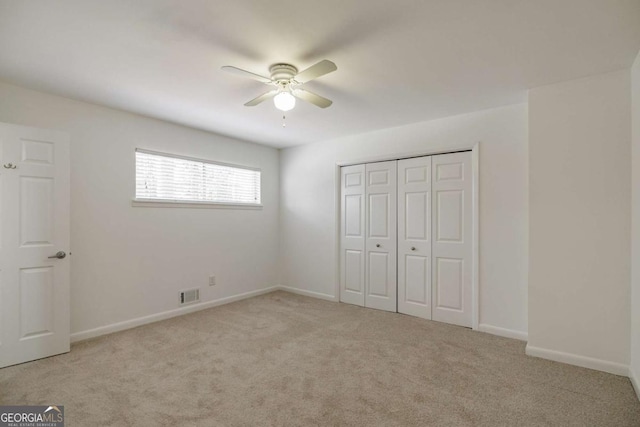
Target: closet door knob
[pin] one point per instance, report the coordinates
(377, 245)
(413, 248)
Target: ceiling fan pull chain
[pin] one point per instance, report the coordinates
(284, 125)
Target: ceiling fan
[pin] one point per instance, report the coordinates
(287, 81)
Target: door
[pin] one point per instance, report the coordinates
(414, 237)
(352, 232)
(34, 226)
(452, 234)
(380, 242)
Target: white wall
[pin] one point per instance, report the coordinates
(129, 261)
(579, 187)
(308, 221)
(635, 224)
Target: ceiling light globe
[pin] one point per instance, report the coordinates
(284, 101)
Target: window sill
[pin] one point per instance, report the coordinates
(197, 205)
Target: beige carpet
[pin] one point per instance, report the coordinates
(282, 359)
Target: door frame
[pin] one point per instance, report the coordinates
(475, 211)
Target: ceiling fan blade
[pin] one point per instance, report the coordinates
(320, 69)
(311, 97)
(241, 72)
(261, 98)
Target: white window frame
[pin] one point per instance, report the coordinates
(161, 203)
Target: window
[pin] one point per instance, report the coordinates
(176, 179)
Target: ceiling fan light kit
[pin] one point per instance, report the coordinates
(284, 101)
(288, 82)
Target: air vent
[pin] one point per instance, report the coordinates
(190, 296)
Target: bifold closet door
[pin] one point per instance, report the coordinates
(452, 233)
(406, 237)
(381, 242)
(414, 237)
(352, 234)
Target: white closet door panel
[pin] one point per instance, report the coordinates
(381, 242)
(416, 281)
(378, 274)
(354, 279)
(414, 237)
(352, 235)
(452, 234)
(449, 282)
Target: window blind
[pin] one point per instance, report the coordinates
(163, 177)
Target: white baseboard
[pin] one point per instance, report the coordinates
(503, 332)
(312, 294)
(577, 360)
(128, 324)
(635, 381)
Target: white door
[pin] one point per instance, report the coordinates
(381, 243)
(414, 237)
(34, 226)
(352, 232)
(452, 234)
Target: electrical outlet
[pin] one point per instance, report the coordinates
(212, 280)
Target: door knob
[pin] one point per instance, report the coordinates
(413, 248)
(59, 255)
(377, 245)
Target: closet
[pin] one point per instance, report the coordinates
(406, 236)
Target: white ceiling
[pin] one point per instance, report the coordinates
(398, 62)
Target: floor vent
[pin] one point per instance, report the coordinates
(190, 296)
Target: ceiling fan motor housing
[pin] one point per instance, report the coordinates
(282, 73)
